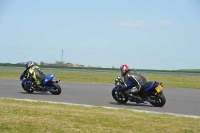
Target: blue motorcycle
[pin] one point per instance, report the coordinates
(48, 84)
(151, 92)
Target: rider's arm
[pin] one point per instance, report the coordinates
(135, 82)
(37, 67)
(126, 79)
(30, 73)
(32, 76)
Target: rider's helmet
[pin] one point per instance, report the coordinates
(124, 68)
(29, 64)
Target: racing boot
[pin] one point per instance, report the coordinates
(129, 92)
(40, 88)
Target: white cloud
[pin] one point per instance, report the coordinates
(165, 22)
(132, 24)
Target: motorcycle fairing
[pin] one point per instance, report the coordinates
(47, 79)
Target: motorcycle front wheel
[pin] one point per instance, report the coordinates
(27, 90)
(119, 97)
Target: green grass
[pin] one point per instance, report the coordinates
(94, 68)
(171, 81)
(39, 117)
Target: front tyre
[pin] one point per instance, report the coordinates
(159, 100)
(27, 90)
(119, 97)
(57, 89)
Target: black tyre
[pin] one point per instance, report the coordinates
(27, 90)
(57, 88)
(119, 97)
(160, 100)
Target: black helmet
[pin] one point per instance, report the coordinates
(29, 64)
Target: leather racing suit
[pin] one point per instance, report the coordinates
(35, 73)
(136, 78)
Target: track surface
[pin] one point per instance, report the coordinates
(178, 101)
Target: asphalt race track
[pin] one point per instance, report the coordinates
(178, 101)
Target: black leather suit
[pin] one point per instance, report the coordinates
(135, 77)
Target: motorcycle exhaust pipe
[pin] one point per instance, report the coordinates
(151, 99)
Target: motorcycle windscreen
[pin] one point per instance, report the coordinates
(115, 89)
(21, 77)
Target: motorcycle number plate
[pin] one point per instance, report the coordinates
(158, 88)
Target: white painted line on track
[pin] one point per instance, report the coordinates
(73, 104)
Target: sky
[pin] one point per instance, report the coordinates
(144, 34)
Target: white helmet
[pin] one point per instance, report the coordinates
(29, 64)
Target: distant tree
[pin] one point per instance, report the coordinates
(42, 63)
(35, 63)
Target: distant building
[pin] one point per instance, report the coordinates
(81, 65)
(95, 66)
(53, 64)
(77, 65)
(59, 62)
(69, 64)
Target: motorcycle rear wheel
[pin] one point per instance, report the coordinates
(160, 100)
(57, 88)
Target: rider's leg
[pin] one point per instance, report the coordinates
(132, 91)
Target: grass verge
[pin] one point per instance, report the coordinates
(171, 81)
(28, 117)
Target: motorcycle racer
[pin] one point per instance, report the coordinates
(133, 76)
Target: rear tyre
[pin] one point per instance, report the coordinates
(159, 100)
(119, 97)
(57, 88)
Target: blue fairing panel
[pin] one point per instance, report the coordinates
(129, 86)
(115, 89)
(48, 78)
(152, 86)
